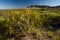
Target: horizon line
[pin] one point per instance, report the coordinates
(27, 6)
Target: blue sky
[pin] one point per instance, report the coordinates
(23, 3)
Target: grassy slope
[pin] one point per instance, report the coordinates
(21, 19)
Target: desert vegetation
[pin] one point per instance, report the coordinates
(39, 24)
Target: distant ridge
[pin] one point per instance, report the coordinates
(42, 6)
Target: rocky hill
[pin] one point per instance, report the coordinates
(42, 6)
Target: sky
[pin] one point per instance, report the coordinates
(4, 4)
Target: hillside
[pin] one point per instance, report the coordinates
(42, 6)
(30, 23)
